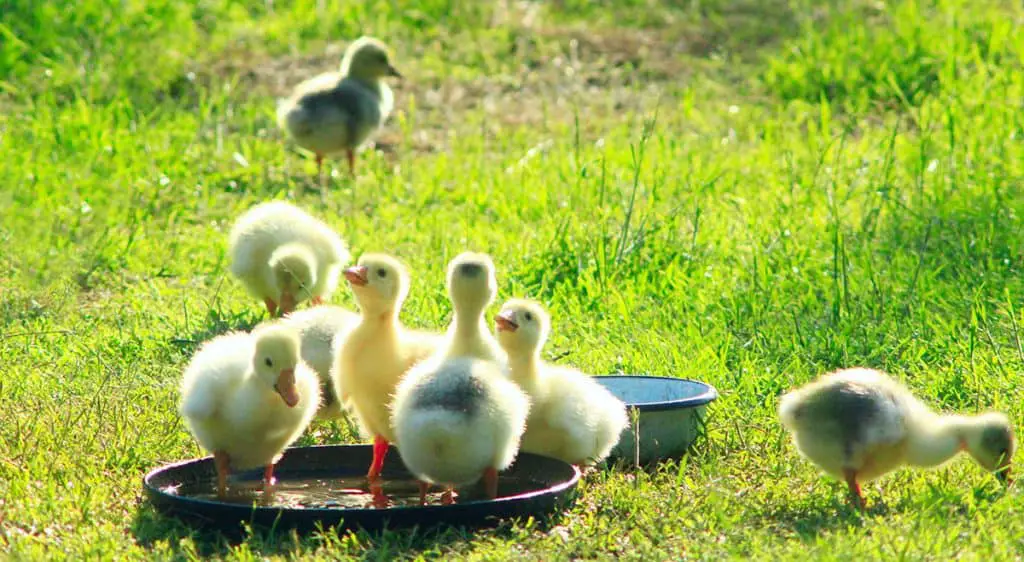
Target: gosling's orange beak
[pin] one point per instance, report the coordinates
(288, 303)
(505, 321)
(357, 275)
(286, 387)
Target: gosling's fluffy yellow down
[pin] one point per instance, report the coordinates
(860, 424)
(379, 349)
(339, 111)
(323, 330)
(456, 415)
(285, 256)
(245, 397)
(572, 416)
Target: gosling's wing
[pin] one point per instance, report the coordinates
(861, 417)
(326, 110)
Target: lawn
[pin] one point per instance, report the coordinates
(746, 192)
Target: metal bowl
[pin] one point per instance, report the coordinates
(671, 414)
(326, 486)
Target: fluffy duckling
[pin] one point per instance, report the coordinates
(457, 420)
(246, 397)
(472, 287)
(284, 256)
(322, 330)
(379, 349)
(572, 417)
(859, 424)
(456, 417)
(338, 112)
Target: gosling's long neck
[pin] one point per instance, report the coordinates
(380, 322)
(469, 322)
(371, 82)
(375, 85)
(936, 439)
(524, 366)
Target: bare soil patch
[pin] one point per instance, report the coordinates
(553, 75)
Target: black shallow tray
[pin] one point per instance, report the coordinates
(554, 490)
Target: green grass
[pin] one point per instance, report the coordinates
(741, 192)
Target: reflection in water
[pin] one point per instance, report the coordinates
(338, 493)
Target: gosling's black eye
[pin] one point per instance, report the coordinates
(268, 362)
(529, 316)
(382, 272)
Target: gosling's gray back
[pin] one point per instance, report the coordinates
(320, 328)
(352, 103)
(454, 387)
(848, 412)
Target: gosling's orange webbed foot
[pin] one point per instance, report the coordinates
(271, 307)
(317, 301)
(380, 500)
(448, 497)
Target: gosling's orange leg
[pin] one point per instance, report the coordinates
(320, 168)
(851, 481)
(491, 482)
(351, 161)
(380, 450)
(423, 491)
(271, 306)
(288, 303)
(268, 476)
(447, 497)
(223, 464)
(317, 301)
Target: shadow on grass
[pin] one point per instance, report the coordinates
(216, 323)
(808, 520)
(155, 531)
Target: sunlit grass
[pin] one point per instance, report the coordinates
(842, 191)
